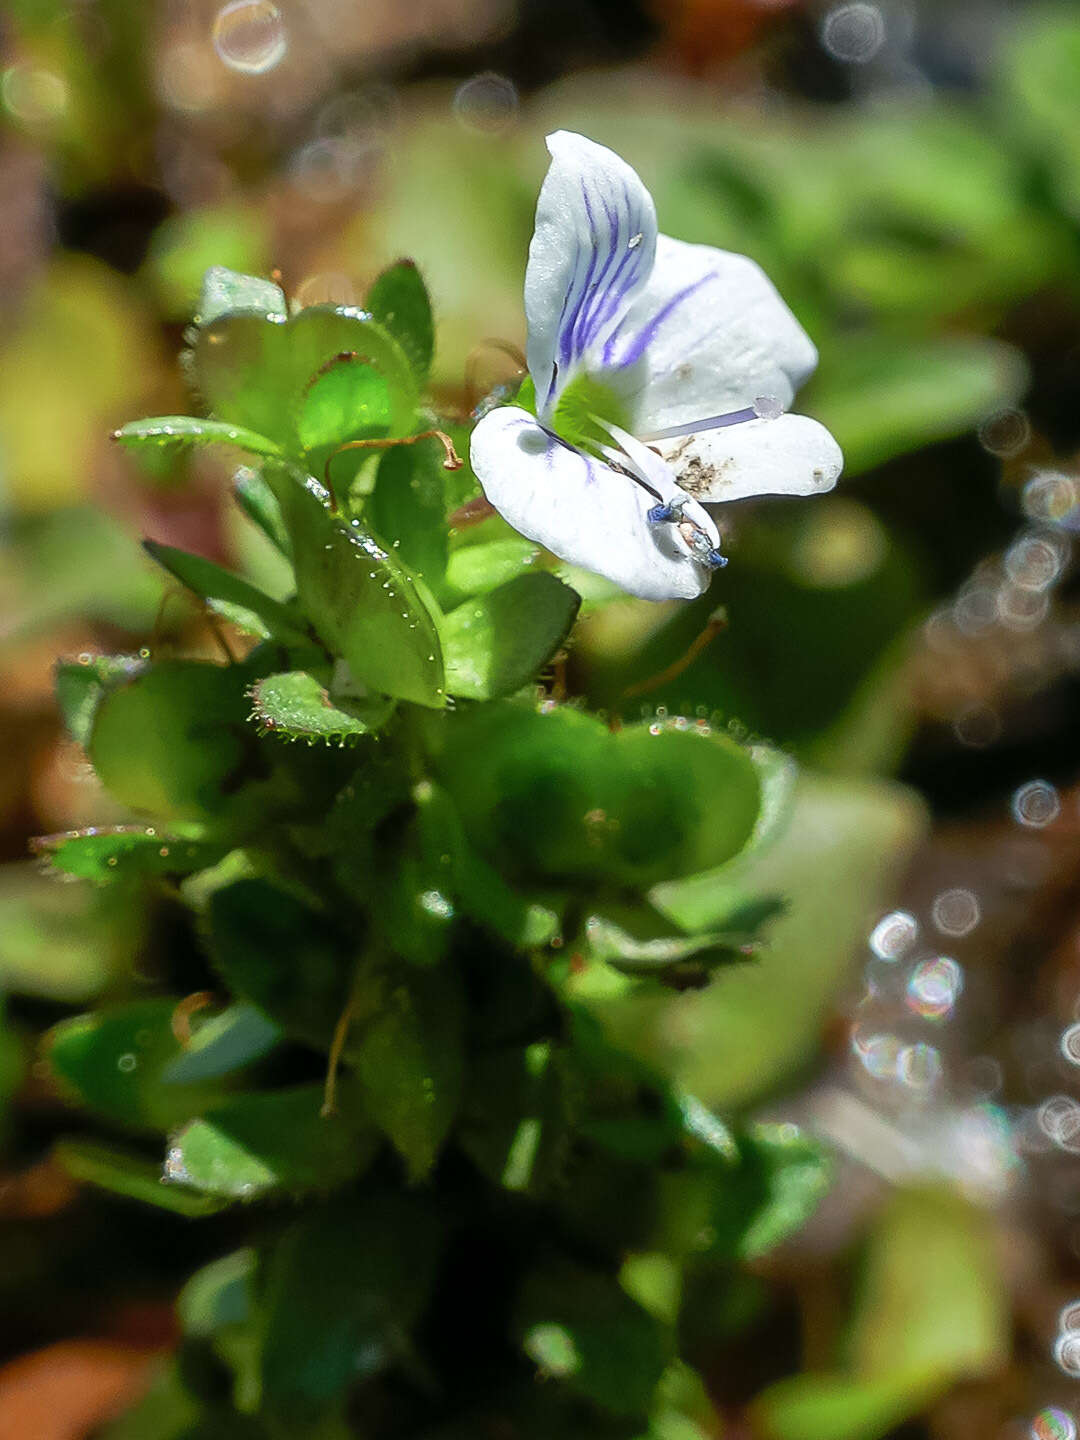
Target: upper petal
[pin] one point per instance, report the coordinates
(791, 455)
(584, 511)
(709, 333)
(591, 252)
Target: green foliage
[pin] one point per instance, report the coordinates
(931, 1310)
(295, 706)
(559, 796)
(398, 300)
(495, 643)
(405, 927)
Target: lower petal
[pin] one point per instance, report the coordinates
(791, 455)
(579, 508)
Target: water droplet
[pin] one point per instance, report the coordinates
(127, 1063)
(487, 103)
(249, 36)
(1036, 804)
(933, 988)
(919, 1066)
(1049, 496)
(1035, 561)
(436, 903)
(768, 407)
(634, 241)
(1053, 1423)
(1067, 1353)
(879, 1053)
(1059, 1120)
(1070, 1044)
(894, 935)
(1005, 433)
(32, 95)
(977, 725)
(1022, 609)
(956, 912)
(1069, 1319)
(174, 1170)
(853, 32)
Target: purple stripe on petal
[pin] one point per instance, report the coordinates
(640, 342)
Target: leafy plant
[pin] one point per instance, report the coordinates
(397, 856)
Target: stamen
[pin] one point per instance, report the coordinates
(715, 560)
(664, 514)
(716, 422)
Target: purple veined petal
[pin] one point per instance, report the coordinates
(583, 510)
(704, 336)
(586, 262)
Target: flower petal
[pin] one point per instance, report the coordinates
(791, 455)
(584, 511)
(591, 252)
(708, 334)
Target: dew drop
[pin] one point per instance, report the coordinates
(768, 407)
(1053, 1423)
(853, 32)
(1070, 1048)
(956, 912)
(894, 935)
(127, 1063)
(487, 103)
(1067, 1353)
(1036, 804)
(249, 36)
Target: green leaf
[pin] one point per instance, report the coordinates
(189, 430)
(260, 505)
(294, 706)
(223, 1044)
(670, 956)
(124, 852)
(477, 568)
(281, 956)
(226, 291)
(347, 399)
(838, 858)
(559, 795)
(408, 1051)
(883, 397)
(218, 1295)
(408, 508)
(932, 1310)
(496, 643)
(272, 1140)
(365, 606)
(345, 1283)
(238, 599)
(478, 887)
(580, 1327)
(81, 683)
(260, 373)
(398, 299)
(113, 1060)
(778, 1182)
(130, 1176)
(1040, 64)
(171, 740)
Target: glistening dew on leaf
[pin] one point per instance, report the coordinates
(633, 334)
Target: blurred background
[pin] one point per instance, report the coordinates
(908, 173)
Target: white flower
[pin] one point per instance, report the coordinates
(695, 348)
